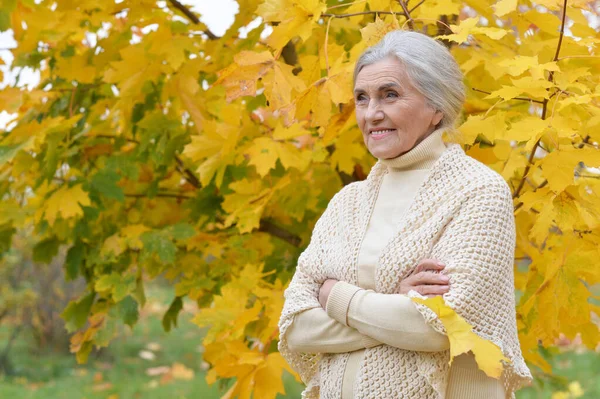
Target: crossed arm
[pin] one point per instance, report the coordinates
(374, 319)
(352, 318)
(356, 319)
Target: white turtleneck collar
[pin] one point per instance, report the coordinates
(421, 156)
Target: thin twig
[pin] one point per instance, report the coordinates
(359, 13)
(514, 98)
(545, 103)
(326, 41)
(409, 19)
(566, 57)
(165, 195)
(192, 17)
(415, 7)
(268, 227)
(437, 21)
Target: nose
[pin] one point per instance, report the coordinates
(374, 112)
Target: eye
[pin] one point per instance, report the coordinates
(361, 98)
(391, 94)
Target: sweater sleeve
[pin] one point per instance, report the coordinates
(393, 319)
(313, 331)
(389, 318)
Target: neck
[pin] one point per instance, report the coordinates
(421, 156)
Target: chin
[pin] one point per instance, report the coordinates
(381, 153)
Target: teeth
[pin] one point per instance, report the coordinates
(380, 132)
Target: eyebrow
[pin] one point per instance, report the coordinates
(381, 88)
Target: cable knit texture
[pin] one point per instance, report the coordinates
(462, 215)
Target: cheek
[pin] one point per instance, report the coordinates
(360, 118)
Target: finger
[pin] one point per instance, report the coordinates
(432, 289)
(429, 264)
(429, 277)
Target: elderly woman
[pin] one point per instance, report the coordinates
(427, 221)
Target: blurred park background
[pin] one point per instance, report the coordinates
(147, 362)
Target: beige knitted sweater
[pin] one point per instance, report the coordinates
(462, 215)
(359, 318)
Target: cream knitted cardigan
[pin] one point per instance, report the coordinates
(461, 215)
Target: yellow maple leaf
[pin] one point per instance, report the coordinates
(129, 74)
(215, 148)
(264, 153)
(433, 9)
(535, 87)
(113, 246)
(66, 202)
(296, 19)
(519, 64)
(348, 150)
(504, 7)
(488, 355)
(526, 128)
(493, 127)
(268, 381)
(558, 166)
(279, 85)
(375, 31)
(131, 235)
(240, 78)
(468, 27)
(76, 68)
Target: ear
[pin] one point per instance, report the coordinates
(437, 118)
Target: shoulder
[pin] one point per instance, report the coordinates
(481, 178)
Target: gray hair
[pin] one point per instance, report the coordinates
(429, 65)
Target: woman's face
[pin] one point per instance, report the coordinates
(392, 115)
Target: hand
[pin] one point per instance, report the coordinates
(426, 279)
(325, 290)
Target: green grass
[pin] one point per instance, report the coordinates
(119, 372)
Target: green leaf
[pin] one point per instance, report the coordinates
(74, 260)
(5, 10)
(118, 285)
(6, 232)
(138, 293)
(128, 310)
(159, 243)
(125, 165)
(8, 152)
(170, 318)
(76, 312)
(181, 231)
(105, 182)
(45, 250)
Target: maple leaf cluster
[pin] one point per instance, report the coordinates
(153, 147)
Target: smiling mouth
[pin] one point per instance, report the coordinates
(381, 132)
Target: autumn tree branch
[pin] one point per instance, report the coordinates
(267, 226)
(192, 17)
(545, 182)
(545, 102)
(188, 175)
(409, 20)
(355, 14)
(416, 6)
(164, 195)
(515, 98)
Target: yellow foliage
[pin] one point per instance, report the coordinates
(462, 339)
(156, 145)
